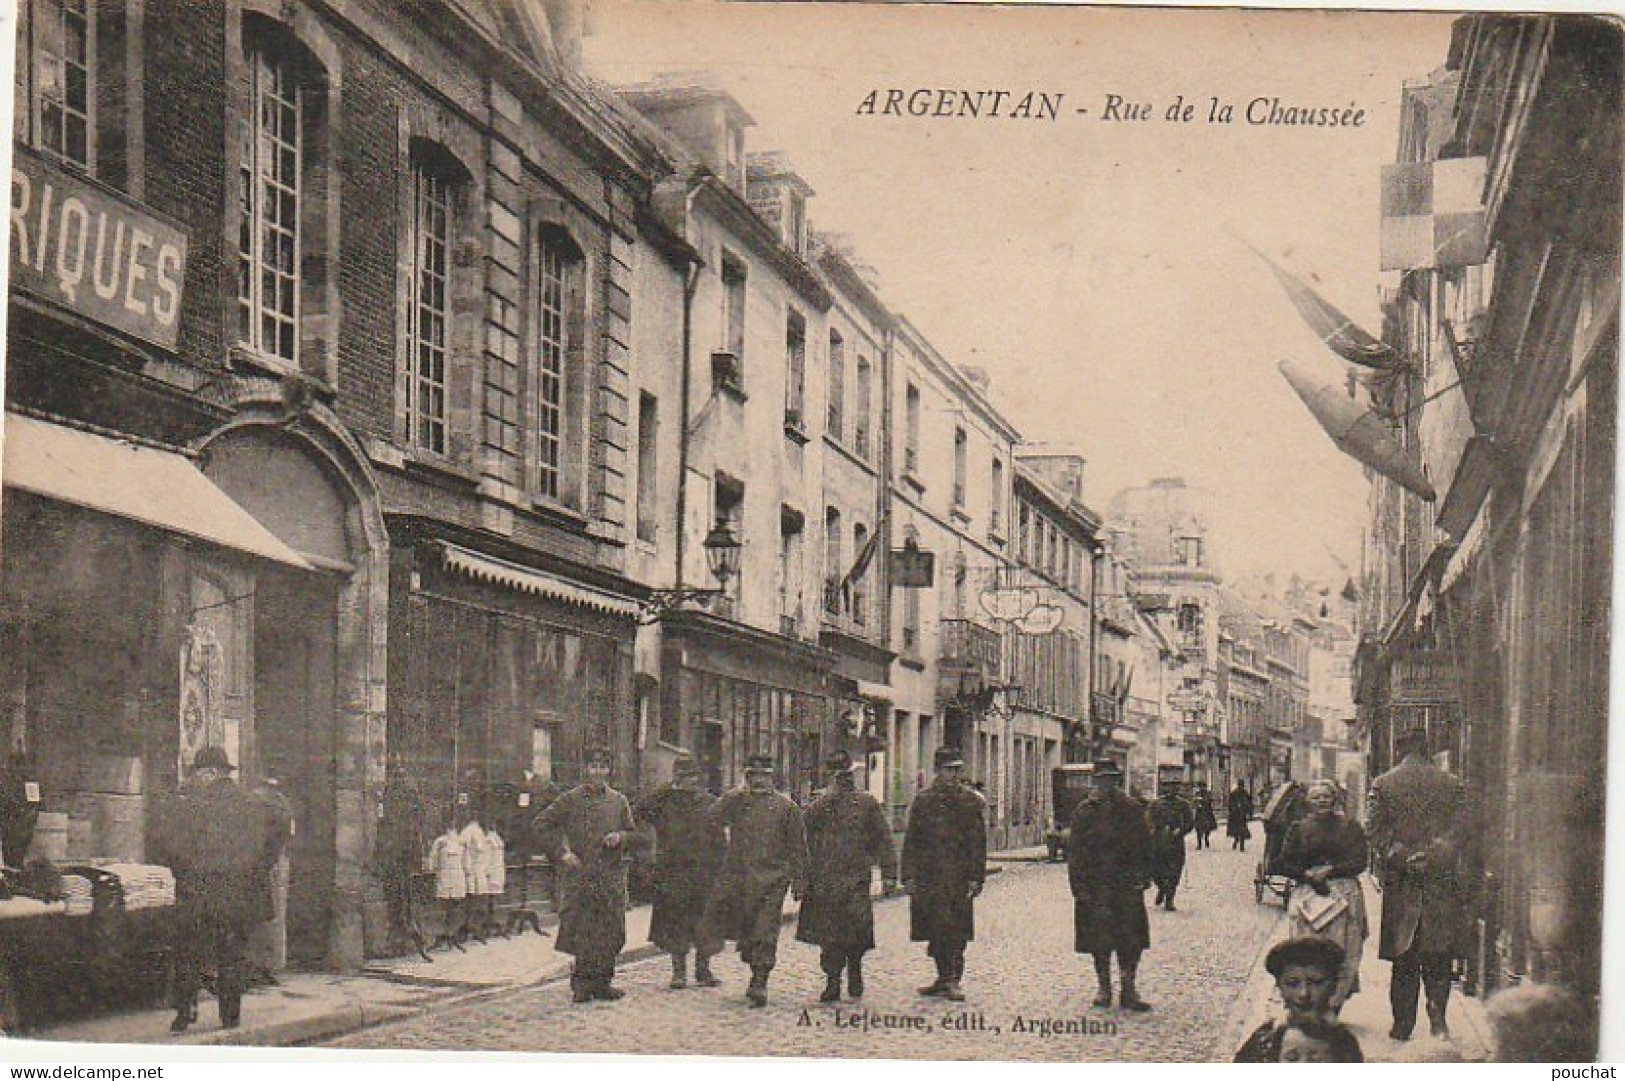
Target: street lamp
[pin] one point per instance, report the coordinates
(722, 553)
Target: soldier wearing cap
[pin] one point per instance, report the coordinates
(1417, 831)
(847, 836)
(944, 866)
(1108, 864)
(767, 855)
(688, 851)
(587, 832)
(220, 842)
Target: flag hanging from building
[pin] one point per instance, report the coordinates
(866, 556)
(1336, 330)
(1433, 214)
(1359, 432)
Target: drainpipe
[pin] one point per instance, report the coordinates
(1094, 618)
(691, 283)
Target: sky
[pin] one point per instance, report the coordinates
(1095, 267)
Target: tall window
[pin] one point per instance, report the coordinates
(960, 444)
(791, 524)
(860, 588)
(911, 611)
(995, 499)
(911, 430)
(648, 433)
(733, 302)
(553, 261)
(428, 307)
(833, 570)
(837, 383)
(860, 409)
(270, 161)
(795, 386)
(56, 53)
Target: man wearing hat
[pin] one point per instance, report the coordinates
(847, 835)
(1108, 864)
(1171, 820)
(221, 844)
(1417, 831)
(944, 866)
(587, 832)
(688, 851)
(767, 855)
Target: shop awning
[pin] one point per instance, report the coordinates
(486, 568)
(144, 484)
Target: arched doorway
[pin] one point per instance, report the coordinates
(317, 649)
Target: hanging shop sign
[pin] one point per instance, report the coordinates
(912, 568)
(1423, 678)
(94, 251)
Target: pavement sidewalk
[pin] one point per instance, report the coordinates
(1367, 1012)
(308, 1008)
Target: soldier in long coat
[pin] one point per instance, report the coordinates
(847, 836)
(944, 867)
(220, 842)
(1416, 826)
(767, 855)
(1108, 863)
(1171, 820)
(688, 852)
(587, 832)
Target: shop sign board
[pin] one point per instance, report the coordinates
(1423, 679)
(94, 251)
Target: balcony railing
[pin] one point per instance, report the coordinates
(970, 645)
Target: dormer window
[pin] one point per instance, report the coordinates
(795, 223)
(734, 148)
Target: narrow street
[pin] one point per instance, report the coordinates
(1021, 973)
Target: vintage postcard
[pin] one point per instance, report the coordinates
(907, 531)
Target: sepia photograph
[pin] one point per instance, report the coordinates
(841, 531)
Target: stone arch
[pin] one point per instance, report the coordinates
(292, 463)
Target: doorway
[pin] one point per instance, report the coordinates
(295, 725)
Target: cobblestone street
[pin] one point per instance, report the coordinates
(1021, 973)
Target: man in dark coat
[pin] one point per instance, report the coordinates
(1171, 820)
(688, 852)
(847, 835)
(1108, 863)
(767, 855)
(587, 833)
(1416, 822)
(220, 842)
(1238, 812)
(944, 866)
(1203, 820)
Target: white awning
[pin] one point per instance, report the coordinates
(155, 487)
(486, 568)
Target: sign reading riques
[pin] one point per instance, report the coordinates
(92, 250)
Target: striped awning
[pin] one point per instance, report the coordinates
(486, 568)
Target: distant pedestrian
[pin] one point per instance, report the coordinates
(221, 843)
(688, 854)
(1416, 829)
(1305, 972)
(1171, 820)
(847, 836)
(1204, 821)
(766, 856)
(1108, 863)
(944, 867)
(1238, 812)
(1324, 855)
(588, 832)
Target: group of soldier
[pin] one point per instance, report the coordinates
(724, 865)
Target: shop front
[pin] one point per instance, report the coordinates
(730, 691)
